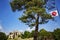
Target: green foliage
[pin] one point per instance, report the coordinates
(34, 13)
(32, 8)
(57, 34)
(17, 4)
(3, 36)
(32, 33)
(26, 35)
(44, 33)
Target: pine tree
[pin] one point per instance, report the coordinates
(34, 14)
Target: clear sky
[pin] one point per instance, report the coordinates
(9, 19)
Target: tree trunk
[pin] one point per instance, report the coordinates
(36, 28)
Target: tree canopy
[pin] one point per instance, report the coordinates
(34, 14)
(3, 36)
(57, 34)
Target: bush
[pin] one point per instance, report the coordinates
(3, 36)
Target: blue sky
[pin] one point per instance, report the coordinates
(9, 19)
